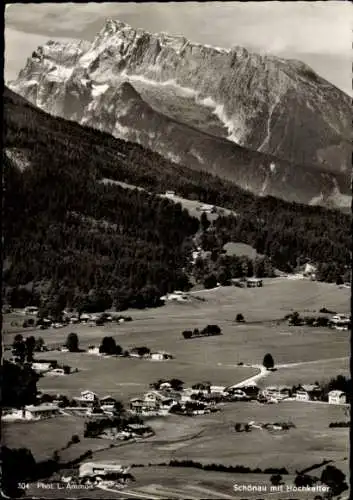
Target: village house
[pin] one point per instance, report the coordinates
(56, 371)
(41, 367)
(92, 349)
(137, 405)
(308, 392)
(139, 429)
(340, 322)
(87, 399)
(32, 413)
(177, 296)
(254, 282)
(96, 469)
(238, 394)
(310, 271)
(218, 389)
(277, 392)
(160, 356)
(207, 208)
(107, 403)
(31, 310)
(337, 397)
(153, 402)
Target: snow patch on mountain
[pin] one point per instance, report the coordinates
(97, 90)
(217, 109)
(120, 131)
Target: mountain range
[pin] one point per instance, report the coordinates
(271, 126)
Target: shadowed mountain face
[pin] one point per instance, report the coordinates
(270, 125)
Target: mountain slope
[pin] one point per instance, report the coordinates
(77, 236)
(79, 240)
(197, 104)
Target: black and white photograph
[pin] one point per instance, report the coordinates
(176, 250)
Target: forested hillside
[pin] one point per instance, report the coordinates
(82, 240)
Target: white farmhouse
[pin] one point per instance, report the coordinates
(41, 367)
(308, 392)
(31, 413)
(160, 356)
(337, 397)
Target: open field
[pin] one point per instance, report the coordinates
(192, 206)
(164, 482)
(127, 378)
(311, 354)
(307, 373)
(241, 249)
(212, 439)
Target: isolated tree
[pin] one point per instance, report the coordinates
(268, 361)
(17, 465)
(335, 479)
(39, 344)
(118, 408)
(72, 342)
(108, 346)
(204, 222)
(276, 479)
(211, 330)
(19, 385)
(187, 334)
(30, 346)
(19, 348)
(304, 480)
(118, 350)
(143, 351)
(176, 384)
(210, 281)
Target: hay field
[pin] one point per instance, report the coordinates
(161, 328)
(241, 249)
(212, 439)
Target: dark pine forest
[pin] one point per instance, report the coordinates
(69, 236)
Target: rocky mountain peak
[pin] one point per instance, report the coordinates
(266, 104)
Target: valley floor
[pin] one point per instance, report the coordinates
(301, 354)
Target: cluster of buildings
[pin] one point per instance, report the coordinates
(276, 426)
(340, 322)
(247, 282)
(304, 392)
(31, 413)
(137, 353)
(74, 318)
(199, 399)
(176, 296)
(90, 475)
(50, 368)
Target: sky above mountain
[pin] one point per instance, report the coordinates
(318, 33)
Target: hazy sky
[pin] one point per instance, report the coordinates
(318, 33)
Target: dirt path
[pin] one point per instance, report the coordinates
(263, 372)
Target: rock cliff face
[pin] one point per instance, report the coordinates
(271, 125)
